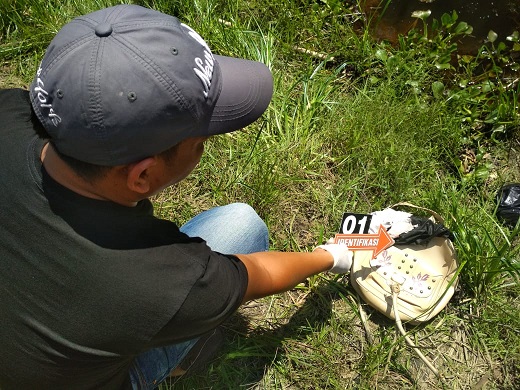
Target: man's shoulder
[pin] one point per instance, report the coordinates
(15, 106)
(14, 96)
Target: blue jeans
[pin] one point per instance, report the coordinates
(235, 228)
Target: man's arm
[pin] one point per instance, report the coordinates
(274, 272)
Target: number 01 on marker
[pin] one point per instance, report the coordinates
(352, 223)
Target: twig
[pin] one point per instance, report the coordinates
(363, 317)
(512, 83)
(313, 53)
(396, 288)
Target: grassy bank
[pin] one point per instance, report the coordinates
(354, 125)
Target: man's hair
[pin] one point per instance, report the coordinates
(92, 172)
(87, 171)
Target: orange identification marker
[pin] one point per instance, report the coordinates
(376, 242)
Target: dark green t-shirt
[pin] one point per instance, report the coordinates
(86, 285)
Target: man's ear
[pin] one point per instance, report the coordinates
(138, 178)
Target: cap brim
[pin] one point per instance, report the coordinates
(247, 88)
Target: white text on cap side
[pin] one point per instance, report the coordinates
(42, 96)
(204, 68)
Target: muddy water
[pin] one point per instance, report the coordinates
(501, 16)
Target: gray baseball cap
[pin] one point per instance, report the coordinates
(127, 82)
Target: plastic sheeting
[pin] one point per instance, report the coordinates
(508, 204)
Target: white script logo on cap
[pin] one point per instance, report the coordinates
(204, 68)
(42, 96)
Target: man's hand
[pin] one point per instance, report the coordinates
(342, 257)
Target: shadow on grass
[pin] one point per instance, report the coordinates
(249, 353)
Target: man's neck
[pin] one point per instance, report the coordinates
(107, 188)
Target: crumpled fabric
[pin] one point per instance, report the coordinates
(406, 228)
(424, 230)
(396, 222)
(508, 204)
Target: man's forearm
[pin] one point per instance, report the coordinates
(274, 272)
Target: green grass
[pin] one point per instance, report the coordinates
(355, 125)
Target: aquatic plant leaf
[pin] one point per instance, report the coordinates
(514, 37)
(421, 14)
(461, 27)
(447, 20)
(382, 54)
(437, 89)
(492, 36)
(374, 79)
(442, 65)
